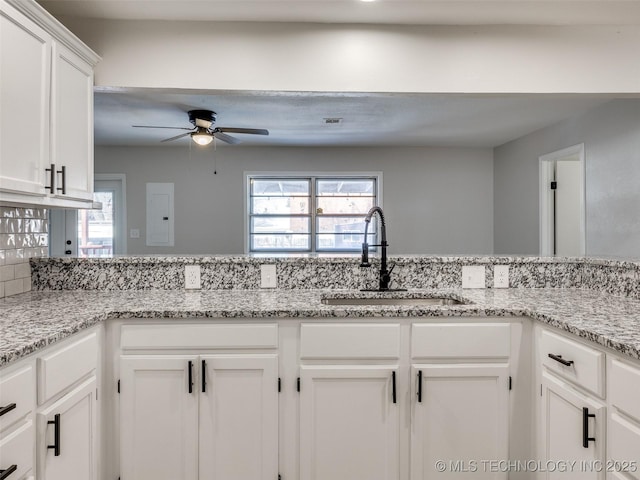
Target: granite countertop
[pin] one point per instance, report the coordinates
(33, 320)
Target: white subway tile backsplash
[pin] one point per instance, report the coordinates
(23, 235)
(23, 270)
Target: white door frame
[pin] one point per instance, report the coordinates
(546, 169)
(120, 212)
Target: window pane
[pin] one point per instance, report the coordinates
(346, 187)
(95, 228)
(342, 241)
(346, 205)
(280, 187)
(267, 224)
(280, 242)
(328, 224)
(282, 205)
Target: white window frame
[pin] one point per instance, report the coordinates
(313, 176)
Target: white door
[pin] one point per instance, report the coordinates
(158, 418)
(25, 66)
(562, 202)
(72, 123)
(67, 436)
(568, 223)
(460, 417)
(564, 430)
(349, 423)
(238, 417)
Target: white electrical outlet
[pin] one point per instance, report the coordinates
(473, 276)
(268, 277)
(192, 277)
(501, 276)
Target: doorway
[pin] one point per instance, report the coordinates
(95, 232)
(562, 203)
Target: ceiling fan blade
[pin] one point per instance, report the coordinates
(251, 131)
(226, 138)
(152, 126)
(175, 138)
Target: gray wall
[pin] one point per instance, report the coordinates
(611, 134)
(436, 200)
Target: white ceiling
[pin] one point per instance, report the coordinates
(297, 118)
(425, 12)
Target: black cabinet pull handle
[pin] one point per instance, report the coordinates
(63, 171)
(7, 409)
(558, 358)
(585, 427)
(190, 376)
(5, 473)
(420, 386)
(52, 178)
(393, 386)
(56, 435)
(204, 376)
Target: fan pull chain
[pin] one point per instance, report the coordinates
(215, 157)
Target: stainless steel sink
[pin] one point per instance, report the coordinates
(435, 301)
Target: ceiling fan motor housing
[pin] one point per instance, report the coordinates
(206, 115)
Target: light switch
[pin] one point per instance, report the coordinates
(473, 276)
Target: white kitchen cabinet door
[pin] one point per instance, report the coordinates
(72, 123)
(67, 436)
(158, 417)
(460, 417)
(25, 67)
(349, 423)
(239, 417)
(563, 430)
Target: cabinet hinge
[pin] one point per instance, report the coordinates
(279, 384)
(540, 389)
(554, 185)
(510, 382)
(298, 384)
(118, 392)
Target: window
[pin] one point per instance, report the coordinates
(310, 213)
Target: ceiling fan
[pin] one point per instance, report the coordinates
(203, 130)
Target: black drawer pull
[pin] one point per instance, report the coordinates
(7, 409)
(204, 376)
(558, 358)
(5, 473)
(52, 178)
(56, 435)
(63, 171)
(190, 376)
(420, 386)
(393, 386)
(585, 427)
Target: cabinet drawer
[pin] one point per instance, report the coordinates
(17, 449)
(624, 388)
(587, 364)
(461, 340)
(347, 340)
(16, 388)
(65, 366)
(173, 337)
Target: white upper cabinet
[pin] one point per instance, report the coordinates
(46, 110)
(72, 123)
(25, 65)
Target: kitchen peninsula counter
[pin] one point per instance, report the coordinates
(31, 321)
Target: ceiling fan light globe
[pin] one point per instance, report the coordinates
(202, 138)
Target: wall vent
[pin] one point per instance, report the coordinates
(332, 120)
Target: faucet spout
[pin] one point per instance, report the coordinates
(385, 273)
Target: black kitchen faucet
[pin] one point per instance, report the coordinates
(385, 273)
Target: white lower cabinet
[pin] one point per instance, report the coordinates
(573, 430)
(349, 422)
(208, 417)
(460, 420)
(67, 440)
